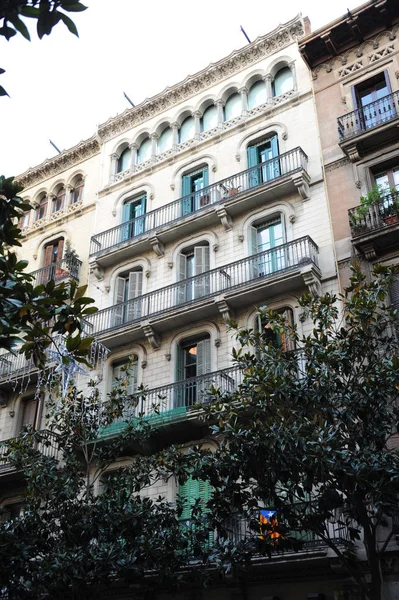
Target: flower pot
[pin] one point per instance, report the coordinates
(391, 219)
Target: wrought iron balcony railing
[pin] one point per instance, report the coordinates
(64, 268)
(369, 116)
(378, 216)
(253, 178)
(211, 283)
(47, 446)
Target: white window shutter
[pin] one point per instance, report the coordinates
(29, 413)
(204, 357)
(134, 291)
(119, 297)
(394, 293)
(182, 272)
(254, 250)
(201, 261)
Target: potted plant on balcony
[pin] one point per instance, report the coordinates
(391, 208)
(358, 215)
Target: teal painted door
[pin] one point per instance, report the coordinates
(263, 161)
(269, 237)
(133, 218)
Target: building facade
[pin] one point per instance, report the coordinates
(193, 208)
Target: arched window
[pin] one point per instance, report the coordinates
(187, 130)
(144, 152)
(193, 183)
(277, 338)
(52, 265)
(127, 297)
(58, 202)
(165, 141)
(209, 119)
(30, 412)
(24, 219)
(257, 94)
(193, 270)
(267, 239)
(283, 81)
(192, 361)
(263, 161)
(41, 209)
(232, 107)
(77, 190)
(126, 369)
(133, 216)
(124, 160)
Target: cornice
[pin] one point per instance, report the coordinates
(52, 166)
(62, 216)
(263, 46)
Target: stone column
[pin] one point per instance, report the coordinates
(269, 88)
(175, 134)
(197, 124)
(133, 154)
(220, 104)
(113, 166)
(68, 191)
(154, 140)
(291, 66)
(244, 101)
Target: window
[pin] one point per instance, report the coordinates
(263, 155)
(394, 293)
(283, 82)
(267, 238)
(192, 263)
(23, 222)
(10, 511)
(187, 130)
(119, 372)
(144, 152)
(257, 94)
(128, 289)
(233, 107)
(124, 160)
(190, 492)
(58, 202)
(133, 215)
(209, 119)
(165, 141)
(278, 339)
(372, 100)
(192, 185)
(77, 190)
(388, 179)
(30, 413)
(41, 210)
(52, 261)
(193, 360)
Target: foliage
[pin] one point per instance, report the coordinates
(46, 13)
(33, 314)
(308, 433)
(72, 541)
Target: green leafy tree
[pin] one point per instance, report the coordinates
(310, 434)
(46, 13)
(74, 540)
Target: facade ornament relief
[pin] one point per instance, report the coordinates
(225, 218)
(353, 153)
(97, 271)
(301, 182)
(369, 251)
(151, 336)
(312, 281)
(224, 309)
(157, 246)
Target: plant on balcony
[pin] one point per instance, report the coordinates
(309, 435)
(360, 212)
(390, 210)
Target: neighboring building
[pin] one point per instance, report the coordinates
(355, 68)
(202, 204)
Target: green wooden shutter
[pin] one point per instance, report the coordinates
(254, 250)
(201, 263)
(254, 174)
(139, 216)
(178, 399)
(276, 163)
(119, 297)
(189, 492)
(204, 357)
(182, 273)
(394, 293)
(126, 230)
(135, 287)
(186, 193)
(206, 177)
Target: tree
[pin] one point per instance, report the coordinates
(33, 315)
(47, 14)
(72, 542)
(309, 433)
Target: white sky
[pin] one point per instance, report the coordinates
(62, 87)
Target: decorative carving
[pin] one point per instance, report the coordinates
(224, 218)
(215, 247)
(301, 182)
(381, 54)
(157, 246)
(353, 152)
(240, 238)
(336, 164)
(60, 214)
(358, 184)
(369, 251)
(350, 69)
(292, 218)
(312, 280)
(224, 309)
(168, 357)
(147, 273)
(151, 336)
(98, 271)
(143, 364)
(282, 36)
(285, 136)
(65, 160)
(170, 265)
(218, 342)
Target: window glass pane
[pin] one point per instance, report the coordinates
(233, 107)
(124, 160)
(210, 118)
(144, 152)
(283, 81)
(395, 173)
(187, 129)
(382, 180)
(165, 140)
(257, 94)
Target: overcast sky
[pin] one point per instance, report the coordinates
(62, 87)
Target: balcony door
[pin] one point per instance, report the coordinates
(193, 360)
(128, 289)
(193, 198)
(193, 263)
(133, 218)
(268, 237)
(263, 161)
(373, 99)
(52, 261)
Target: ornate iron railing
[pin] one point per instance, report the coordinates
(47, 446)
(382, 214)
(218, 192)
(369, 116)
(64, 268)
(211, 283)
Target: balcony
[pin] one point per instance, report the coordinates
(229, 197)
(378, 231)
(174, 403)
(47, 446)
(65, 268)
(370, 126)
(252, 279)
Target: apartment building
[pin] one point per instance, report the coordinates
(355, 69)
(193, 208)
